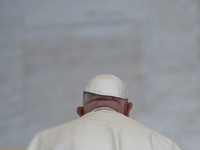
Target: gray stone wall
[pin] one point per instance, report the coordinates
(50, 49)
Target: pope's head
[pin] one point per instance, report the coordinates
(105, 90)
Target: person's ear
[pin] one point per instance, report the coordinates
(128, 108)
(80, 111)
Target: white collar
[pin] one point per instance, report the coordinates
(102, 108)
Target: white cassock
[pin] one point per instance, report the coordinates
(101, 130)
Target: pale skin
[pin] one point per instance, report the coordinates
(94, 101)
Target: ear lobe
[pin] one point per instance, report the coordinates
(80, 111)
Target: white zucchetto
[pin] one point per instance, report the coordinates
(108, 85)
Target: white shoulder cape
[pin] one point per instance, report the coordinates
(101, 130)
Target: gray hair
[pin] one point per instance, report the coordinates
(89, 97)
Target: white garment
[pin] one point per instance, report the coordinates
(101, 130)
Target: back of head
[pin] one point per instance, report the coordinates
(108, 85)
(105, 90)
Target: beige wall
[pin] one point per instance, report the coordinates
(50, 49)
